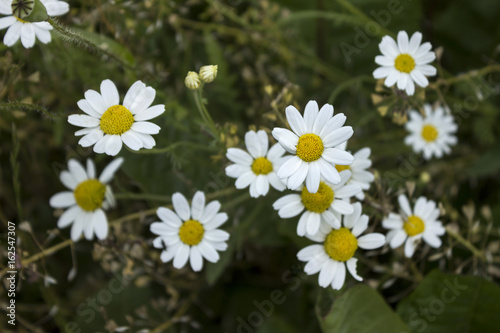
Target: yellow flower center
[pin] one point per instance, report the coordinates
(341, 244)
(404, 63)
(310, 147)
(191, 232)
(320, 201)
(116, 120)
(262, 166)
(429, 133)
(341, 168)
(414, 225)
(89, 194)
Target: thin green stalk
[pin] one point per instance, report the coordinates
(464, 77)
(477, 253)
(204, 113)
(13, 106)
(14, 163)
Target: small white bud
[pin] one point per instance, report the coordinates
(208, 73)
(192, 80)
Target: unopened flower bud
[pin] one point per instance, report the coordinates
(192, 80)
(29, 10)
(208, 73)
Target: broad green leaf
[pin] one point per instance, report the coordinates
(362, 310)
(445, 303)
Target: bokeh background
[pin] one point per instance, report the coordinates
(270, 54)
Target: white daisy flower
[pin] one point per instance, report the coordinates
(323, 207)
(433, 134)
(412, 226)
(190, 233)
(257, 169)
(87, 200)
(312, 141)
(405, 62)
(359, 174)
(28, 32)
(107, 124)
(337, 250)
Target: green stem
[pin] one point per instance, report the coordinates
(466, 76)
(204, 113)
(478, 253)
(141, 196)
(13, 106)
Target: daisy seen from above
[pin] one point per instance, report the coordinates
(321, 208)
(406, 62)
(108, 125)
(336, 250)
(257, 168)
(414, 225)
(432, 135)
(312, 142)
(359, 174)
(190, 233)
(87, 199)
(22, 22)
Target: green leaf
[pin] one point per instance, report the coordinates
(362, 310)
(451, 303)
(486, 164)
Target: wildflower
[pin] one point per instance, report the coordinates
(405, 62)
(359, 174)
(107, 124)
(413, 226)
(26, 20)
(312, 141)
(433, 134)
(323, 207)
(87, 199)
(257, 169)
(190, 233)
(336, 249)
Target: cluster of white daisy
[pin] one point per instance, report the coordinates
(325, 179)
(191, 232)
(406, 63)
(310, 159)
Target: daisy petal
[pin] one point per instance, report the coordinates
(181, 206)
